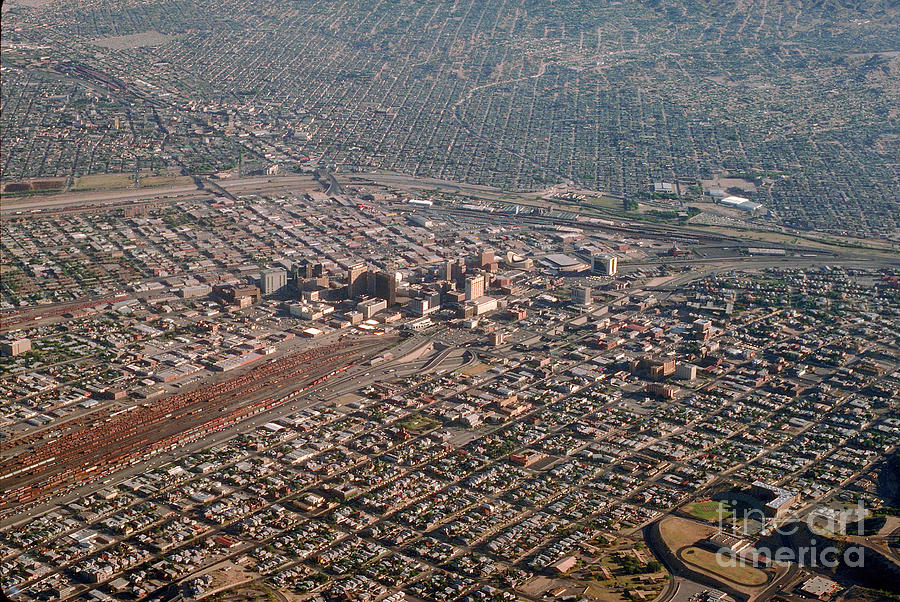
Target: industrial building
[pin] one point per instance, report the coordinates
(740, 203)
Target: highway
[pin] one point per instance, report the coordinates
(25, 206)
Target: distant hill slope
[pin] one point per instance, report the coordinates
(801, 97)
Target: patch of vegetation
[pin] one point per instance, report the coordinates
(418, 423)
(710, 510)
(681, 216)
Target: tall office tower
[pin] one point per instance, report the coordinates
(386, 287)
(607, 265)
(357, 281)
(474, 287)
(447, 272)
(459, 271)
(485, 258)
(304, 269)
(582, 295)
(434, 298)
(273, 280)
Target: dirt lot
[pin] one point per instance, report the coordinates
(679, 532)
(737, 572)
(103, 181)
(164, 180)
(135, 40)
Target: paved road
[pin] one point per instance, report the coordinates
(27, 205)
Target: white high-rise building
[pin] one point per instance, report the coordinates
(607, 265)
(273, 280)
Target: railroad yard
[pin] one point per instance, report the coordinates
(428, 400)
(106, 441)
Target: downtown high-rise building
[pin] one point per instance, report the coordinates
(273, 280)
(357, 280)
(607, 265)
(474, 287)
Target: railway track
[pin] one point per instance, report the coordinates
(667, 232)
(16, 318)
(87, 450)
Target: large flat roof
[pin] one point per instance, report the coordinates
(561, 260)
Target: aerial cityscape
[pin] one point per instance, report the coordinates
(451, 301)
